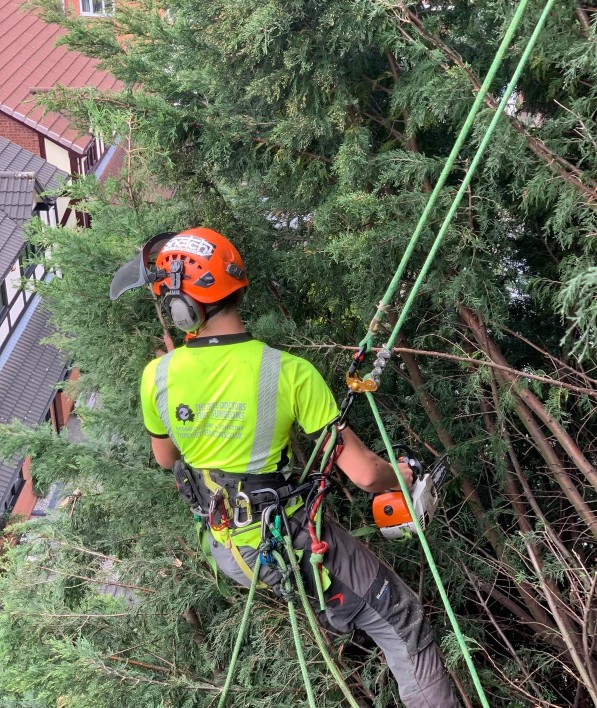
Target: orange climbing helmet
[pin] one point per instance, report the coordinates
(212, 267)
(187, 270)
(208, 267)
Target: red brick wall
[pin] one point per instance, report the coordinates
(19, 134)
(27, 499)
(73, 7)
(64, 404)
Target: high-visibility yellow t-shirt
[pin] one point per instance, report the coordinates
(231, 402)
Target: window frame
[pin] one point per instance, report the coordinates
(107, 8)
(30, 252)
(4, 303)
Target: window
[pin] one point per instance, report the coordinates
(97, 7)
(32, 252)
(14, 492)
(3, 298)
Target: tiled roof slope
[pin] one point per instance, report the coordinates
(14, 158)
(27, 381)
(21, 175)
(30, 60)
(17, 195)
(11, 243)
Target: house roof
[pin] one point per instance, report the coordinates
(17, 195)
(22, 176)
(32, 64)
(14, 158)
(28, 376)
(11, 243)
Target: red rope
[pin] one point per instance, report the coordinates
(319, 547)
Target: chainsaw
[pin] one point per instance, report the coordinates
(390, 511)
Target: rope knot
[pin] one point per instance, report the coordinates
(287, 594)
(319, 547)
(383, 356)
(318, 551)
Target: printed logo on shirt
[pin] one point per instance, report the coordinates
(184, 413)
(220, 410)
(222, 420)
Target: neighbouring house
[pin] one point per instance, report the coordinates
(37, 152)
(31, 64)
(29, 369)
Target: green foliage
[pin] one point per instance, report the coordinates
(310, 133)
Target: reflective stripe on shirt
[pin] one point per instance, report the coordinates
(269, 373)
(161, 393)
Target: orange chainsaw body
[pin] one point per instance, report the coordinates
(390, 509)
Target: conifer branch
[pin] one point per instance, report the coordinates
(565, 169)
(491, 350)
(583, 18)
(549, 356)
(141, 664)
(580, 667)
(462, 359)
(96, 580)
(505, 640)
(304, 153)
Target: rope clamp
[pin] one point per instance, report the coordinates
(358, 385)
(383, 356)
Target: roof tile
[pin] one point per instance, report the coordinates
(30, 60)
(27, 384)
(17, 159)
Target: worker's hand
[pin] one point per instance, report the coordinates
(407, 474)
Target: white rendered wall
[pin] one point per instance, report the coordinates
(57, 155)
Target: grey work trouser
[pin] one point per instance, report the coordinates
(365, 594)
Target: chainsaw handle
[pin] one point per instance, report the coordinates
(410, 458)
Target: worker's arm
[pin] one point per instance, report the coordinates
(165, 451)
(366, 469)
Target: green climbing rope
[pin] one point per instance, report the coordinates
(334, 670)
(315, 629)
(241, 634)
(432, 566)
(295, 628)
(469, 175)
(367, 341)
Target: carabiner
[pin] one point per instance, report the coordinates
(238, 506)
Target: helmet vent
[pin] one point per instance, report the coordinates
(205, 281)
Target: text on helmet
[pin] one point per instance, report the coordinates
(191, 244)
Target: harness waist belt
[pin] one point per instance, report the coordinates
(239, 492)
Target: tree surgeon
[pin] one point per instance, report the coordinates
(219, 411)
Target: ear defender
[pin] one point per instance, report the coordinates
(186, 314)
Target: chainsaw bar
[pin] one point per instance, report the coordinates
(439, 471)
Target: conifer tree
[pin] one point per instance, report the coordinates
(311, 133)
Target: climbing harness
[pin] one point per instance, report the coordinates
(276, 540)
(231, 506)
(331, 437)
